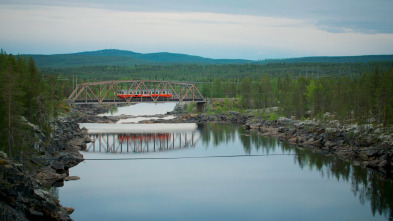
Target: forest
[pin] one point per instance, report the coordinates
(366, 99)
(29, 102)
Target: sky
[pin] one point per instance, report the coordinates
(243, 29)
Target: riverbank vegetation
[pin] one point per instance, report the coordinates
(29, 101)
(364, 99)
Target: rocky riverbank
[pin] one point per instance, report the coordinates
(367, 145)
(25, 185)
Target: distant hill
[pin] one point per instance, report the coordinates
(124, 58)
(81, 59)
(332, 59)
(114, 57)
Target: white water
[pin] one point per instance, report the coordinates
(142, 109)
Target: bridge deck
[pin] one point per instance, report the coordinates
(144, 100)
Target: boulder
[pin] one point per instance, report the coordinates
(69, 178)
(383, 164)
(283, 120)
(293, 140)
(69, 210)
(371, 163)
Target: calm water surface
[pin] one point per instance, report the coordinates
(180, 172)
(282, 183)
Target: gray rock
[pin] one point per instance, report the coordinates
(3, 155)
(69, 210)
(35, 213)
(283, 120)
(371, 152)
(57, 166)
(69, 178)
(383, 163)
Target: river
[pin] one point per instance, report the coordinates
(216, 172)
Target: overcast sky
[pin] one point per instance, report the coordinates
(248, 29)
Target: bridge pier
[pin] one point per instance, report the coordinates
(200, 107)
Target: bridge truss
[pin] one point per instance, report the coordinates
(107, 91)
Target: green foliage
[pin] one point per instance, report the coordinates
(191, 108)
(367, 98)
(313, 94)
(273, 116)
(25, 97)
(209, 111)
(226, 105)
(218, 110)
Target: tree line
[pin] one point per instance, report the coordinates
(367, 98)
(208, 73)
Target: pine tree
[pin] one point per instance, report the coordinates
(12, 123)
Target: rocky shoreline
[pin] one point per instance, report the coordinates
(25, 187)
(366, 145)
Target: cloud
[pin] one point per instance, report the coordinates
(60, 29)
(363, 16)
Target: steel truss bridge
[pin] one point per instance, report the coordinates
(107, 91)
(142, 142)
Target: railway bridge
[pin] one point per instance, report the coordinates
(135, 91)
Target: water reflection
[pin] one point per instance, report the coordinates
(251, 142)
(142, 142)
(366, 185)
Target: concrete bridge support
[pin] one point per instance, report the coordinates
(201, 107)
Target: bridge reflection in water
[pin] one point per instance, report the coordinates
(142, 142)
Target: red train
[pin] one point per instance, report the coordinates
(144, 93)
(143, 137)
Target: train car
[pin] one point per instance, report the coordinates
(143, 137)
(144, 93)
